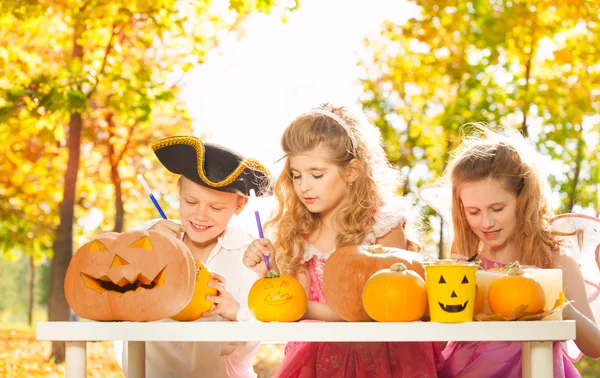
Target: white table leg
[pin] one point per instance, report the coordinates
(538, 360)
(75, 359)
(526, 360)
(136, 357)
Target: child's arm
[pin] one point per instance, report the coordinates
(395, 238)
(315, 310)
(588, 333)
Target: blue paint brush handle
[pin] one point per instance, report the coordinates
(260, 234)
(162, 214)
(147, 189)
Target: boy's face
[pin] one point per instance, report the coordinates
(205, 212)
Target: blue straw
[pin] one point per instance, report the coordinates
(154, 201)
(259, 226)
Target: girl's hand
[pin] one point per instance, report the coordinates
(254, 256)
(169, 227)
(228, 348)
(225, 305)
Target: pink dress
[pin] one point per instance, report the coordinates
(348, 360)
(495, 359)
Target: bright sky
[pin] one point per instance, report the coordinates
(246, 95)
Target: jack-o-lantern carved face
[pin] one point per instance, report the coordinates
(277, 298)
(451, 290)
(136, 275)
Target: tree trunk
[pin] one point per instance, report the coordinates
(120, 211)
(31, 290)
(441, 249)
(114, 160)
(58, 308)
(576, 174)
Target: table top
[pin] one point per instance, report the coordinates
(306, 331)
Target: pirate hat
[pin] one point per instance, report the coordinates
(213, 166)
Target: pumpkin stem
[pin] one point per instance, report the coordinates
(398, 267)
(514, 269)
(271, 274)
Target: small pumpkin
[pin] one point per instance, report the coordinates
(395, 295)
(141, 275)
(348, 269)
(277, 298)
(514, 289)
(199, 304)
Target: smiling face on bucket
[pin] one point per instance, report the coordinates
(205, 212)
(490, 211)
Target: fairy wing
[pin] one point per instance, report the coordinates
(584, 247)
(439, 198)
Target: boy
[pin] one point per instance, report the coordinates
(213, 186)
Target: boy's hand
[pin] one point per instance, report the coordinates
(254, 256)
(225, 305)
(169, 227)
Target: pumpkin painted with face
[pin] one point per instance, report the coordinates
(135, 276)
(451, 290)
(277, 298)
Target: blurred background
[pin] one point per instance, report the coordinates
(87, 85)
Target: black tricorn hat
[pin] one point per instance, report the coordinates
(213, 166)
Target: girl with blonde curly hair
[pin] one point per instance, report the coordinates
(336, 189)
(500, 214)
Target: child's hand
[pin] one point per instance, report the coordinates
(169, 227)
(228, 348)
(254, 256)
(225, 305)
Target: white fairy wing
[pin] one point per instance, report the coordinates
(584, 247)
(439, 198)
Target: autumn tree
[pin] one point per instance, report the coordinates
(529, 64)
(87, 86)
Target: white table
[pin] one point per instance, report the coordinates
(537, 337)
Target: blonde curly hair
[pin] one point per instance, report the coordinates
(504, 158)
(345, 135)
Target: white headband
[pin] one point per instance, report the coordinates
(340, 122)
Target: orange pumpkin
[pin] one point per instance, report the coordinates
(395, 295)
(199, 304)
(136, 276)
(348, 269)
(515, 289)
(277, 298)
(478, 305)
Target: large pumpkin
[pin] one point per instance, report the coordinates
(277, 298)
(348, 269)
(199, 304)
(514, 289)
(395, 295)
(136, 276)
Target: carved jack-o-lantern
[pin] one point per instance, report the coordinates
(451, 291)
(137, 276)
(277, 298)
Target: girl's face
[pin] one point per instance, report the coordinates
(205, 212)
(490, 211)
(319, 184)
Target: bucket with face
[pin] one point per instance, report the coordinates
(451, 290)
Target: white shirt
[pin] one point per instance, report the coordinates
(201, 359)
